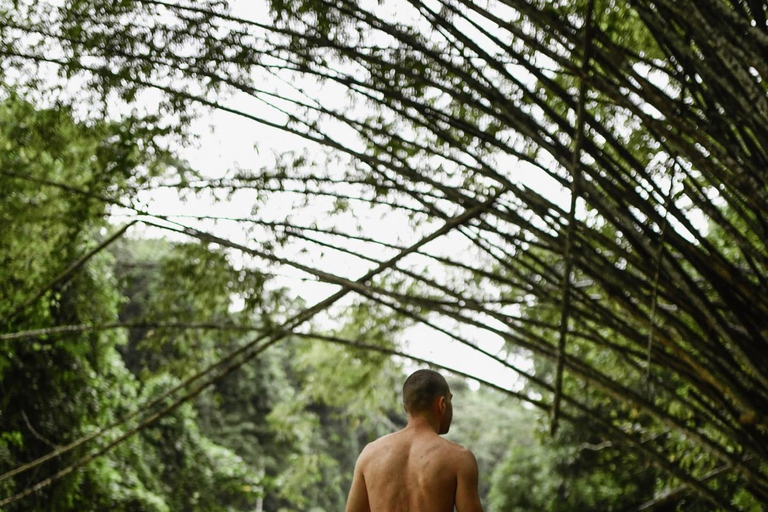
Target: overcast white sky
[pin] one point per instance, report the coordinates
(228, 142)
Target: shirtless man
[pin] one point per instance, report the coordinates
(414, 469)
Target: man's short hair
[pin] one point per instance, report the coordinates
(421, 389)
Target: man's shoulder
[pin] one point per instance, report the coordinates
(458, 453)
(382, 441)
(454, 447)
(377, 445)
(388, 442)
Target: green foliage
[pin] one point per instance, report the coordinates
(56, 388)
(668, 331)
(296, 416)
(184, 285)
(577, 471)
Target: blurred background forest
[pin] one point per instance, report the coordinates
(572, 191)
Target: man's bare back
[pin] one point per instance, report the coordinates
(416, 470)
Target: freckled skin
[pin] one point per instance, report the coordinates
(416, 470)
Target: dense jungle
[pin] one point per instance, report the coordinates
(559, 205)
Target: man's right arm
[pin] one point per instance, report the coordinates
(358, 494)
(467, 494)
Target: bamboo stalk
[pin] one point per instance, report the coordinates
(575, 168)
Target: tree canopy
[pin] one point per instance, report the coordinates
(635, 278)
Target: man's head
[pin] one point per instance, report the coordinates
(426, 393)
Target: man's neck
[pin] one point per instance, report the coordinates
(423, 423)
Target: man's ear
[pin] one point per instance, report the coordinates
(441, 405)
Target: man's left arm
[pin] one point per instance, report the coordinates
(467, 496)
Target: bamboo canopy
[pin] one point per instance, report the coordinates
(647, 287)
